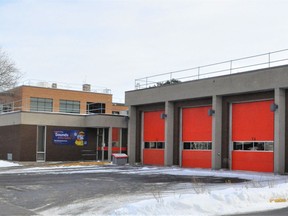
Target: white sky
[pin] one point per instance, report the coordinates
(110, 43)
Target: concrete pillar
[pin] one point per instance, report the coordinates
(279, 131)
(132, 135)
(110, 144)
(216, 132)
(169, 133)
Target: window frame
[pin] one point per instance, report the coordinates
(261, 146)
(154, 145)
(196, 146)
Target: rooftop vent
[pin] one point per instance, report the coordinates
(54, 85)
(86, 87)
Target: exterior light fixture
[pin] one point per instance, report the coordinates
(163, 116)
(211, 112)
(273, 107)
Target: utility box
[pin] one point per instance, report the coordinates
(119, 158)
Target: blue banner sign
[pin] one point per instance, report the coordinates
(70, 137)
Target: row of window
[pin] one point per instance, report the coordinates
(197, 145)
(66, 106)
(255, 146)
(154, 145)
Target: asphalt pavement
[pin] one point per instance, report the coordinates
(29, 193)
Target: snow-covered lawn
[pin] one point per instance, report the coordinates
(264, 191)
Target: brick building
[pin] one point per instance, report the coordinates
(49, 123)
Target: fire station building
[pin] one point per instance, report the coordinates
(236, 121)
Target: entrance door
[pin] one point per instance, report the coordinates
(119, 140)
(102, 144)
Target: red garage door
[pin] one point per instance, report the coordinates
(154, 138)
(196, 137)
(253, 136)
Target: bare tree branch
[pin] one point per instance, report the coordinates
(9, 74)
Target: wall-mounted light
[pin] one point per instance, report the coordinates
(273, 107)
(163, 116)
(211, 112)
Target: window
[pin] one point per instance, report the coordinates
(6, 108)
(41, 143)
(41, 104)
(154, 145)
(197, 145)
(95, 107)
(68, 106)
(253, 146)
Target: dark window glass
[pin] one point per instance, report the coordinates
(187, 146)
(197, 145)
(96, 107)
(154, 145)
(253, 146)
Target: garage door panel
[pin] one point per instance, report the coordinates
(252, 121)
(196, 159)
(153, 157)
(253, 161)
(196, 124)
(154, 126)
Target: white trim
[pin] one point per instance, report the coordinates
(44, 143)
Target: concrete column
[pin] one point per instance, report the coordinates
(110, 144)
(132, 135)
(169, 133)
(279, 131)
(216, 132)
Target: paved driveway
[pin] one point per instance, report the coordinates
(28, 193)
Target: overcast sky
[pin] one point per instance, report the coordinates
(110, 43)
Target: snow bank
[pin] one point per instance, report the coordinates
(7, 164)
(218, 202)
(242, 198)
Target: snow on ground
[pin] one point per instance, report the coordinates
(264, 191)
(231, 200)
(7, 164)
(216, 202)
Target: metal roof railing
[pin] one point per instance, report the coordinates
(67, 86)
(239, 65)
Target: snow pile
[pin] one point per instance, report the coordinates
(217, 202)
(7, 164)
(235, 199)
